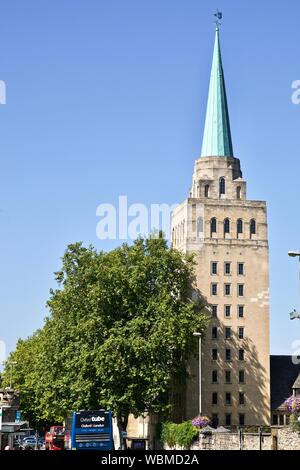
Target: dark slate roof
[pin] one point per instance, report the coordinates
(283, 375)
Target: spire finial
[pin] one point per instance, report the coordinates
(218, 16)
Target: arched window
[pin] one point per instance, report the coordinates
(222, 186)
(213, 225)
(226, 226)
(206, 190)
(252, 227)
(239, 226)
(238, 192)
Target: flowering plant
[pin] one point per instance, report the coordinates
(293, 405)
(201, 421)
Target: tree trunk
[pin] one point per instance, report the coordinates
(122, 422)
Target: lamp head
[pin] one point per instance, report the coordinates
(293, 254)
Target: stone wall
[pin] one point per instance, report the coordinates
(233, 441)
(280, 438)
(286, 440)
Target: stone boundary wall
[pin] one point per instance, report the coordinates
(233, 441)
(280, 438)
(286, 439)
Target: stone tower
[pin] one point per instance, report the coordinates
(228, 234)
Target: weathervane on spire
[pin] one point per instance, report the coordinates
(218, 16)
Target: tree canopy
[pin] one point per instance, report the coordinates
(120, 326)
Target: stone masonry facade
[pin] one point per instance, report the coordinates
(228, 235)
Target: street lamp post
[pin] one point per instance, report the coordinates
(199, 336)
(294, 254)
(11, 364)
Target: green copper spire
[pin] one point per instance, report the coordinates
(217, 135)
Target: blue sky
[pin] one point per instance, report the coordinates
(107, 97)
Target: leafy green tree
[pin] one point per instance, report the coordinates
(24, 372)
(120, 327)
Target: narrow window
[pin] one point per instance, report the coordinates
(241, 419)
(227, 311)
(227, 332)
(228, 419)
(214, 376)
(240, 311)
(213, 226)
(228, 376)
(238, 192)
(252, 227)
(241, 398)
(214, 289)
(239, 226)
(227, 289)
(240, 269)
(214, 354)
(214, 268)
(241, 355)
(206, 190)
(228, 354)
(226, 226)
(214, 398)
(214, 332)
(241, 376)
(214, 310)
(240, 290)
(228, 398)
(241, 332)
(222, 186)
(227, 269)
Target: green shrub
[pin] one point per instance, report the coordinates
(186, 434)
(294, 423)
(182, 434)
(168, 434)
